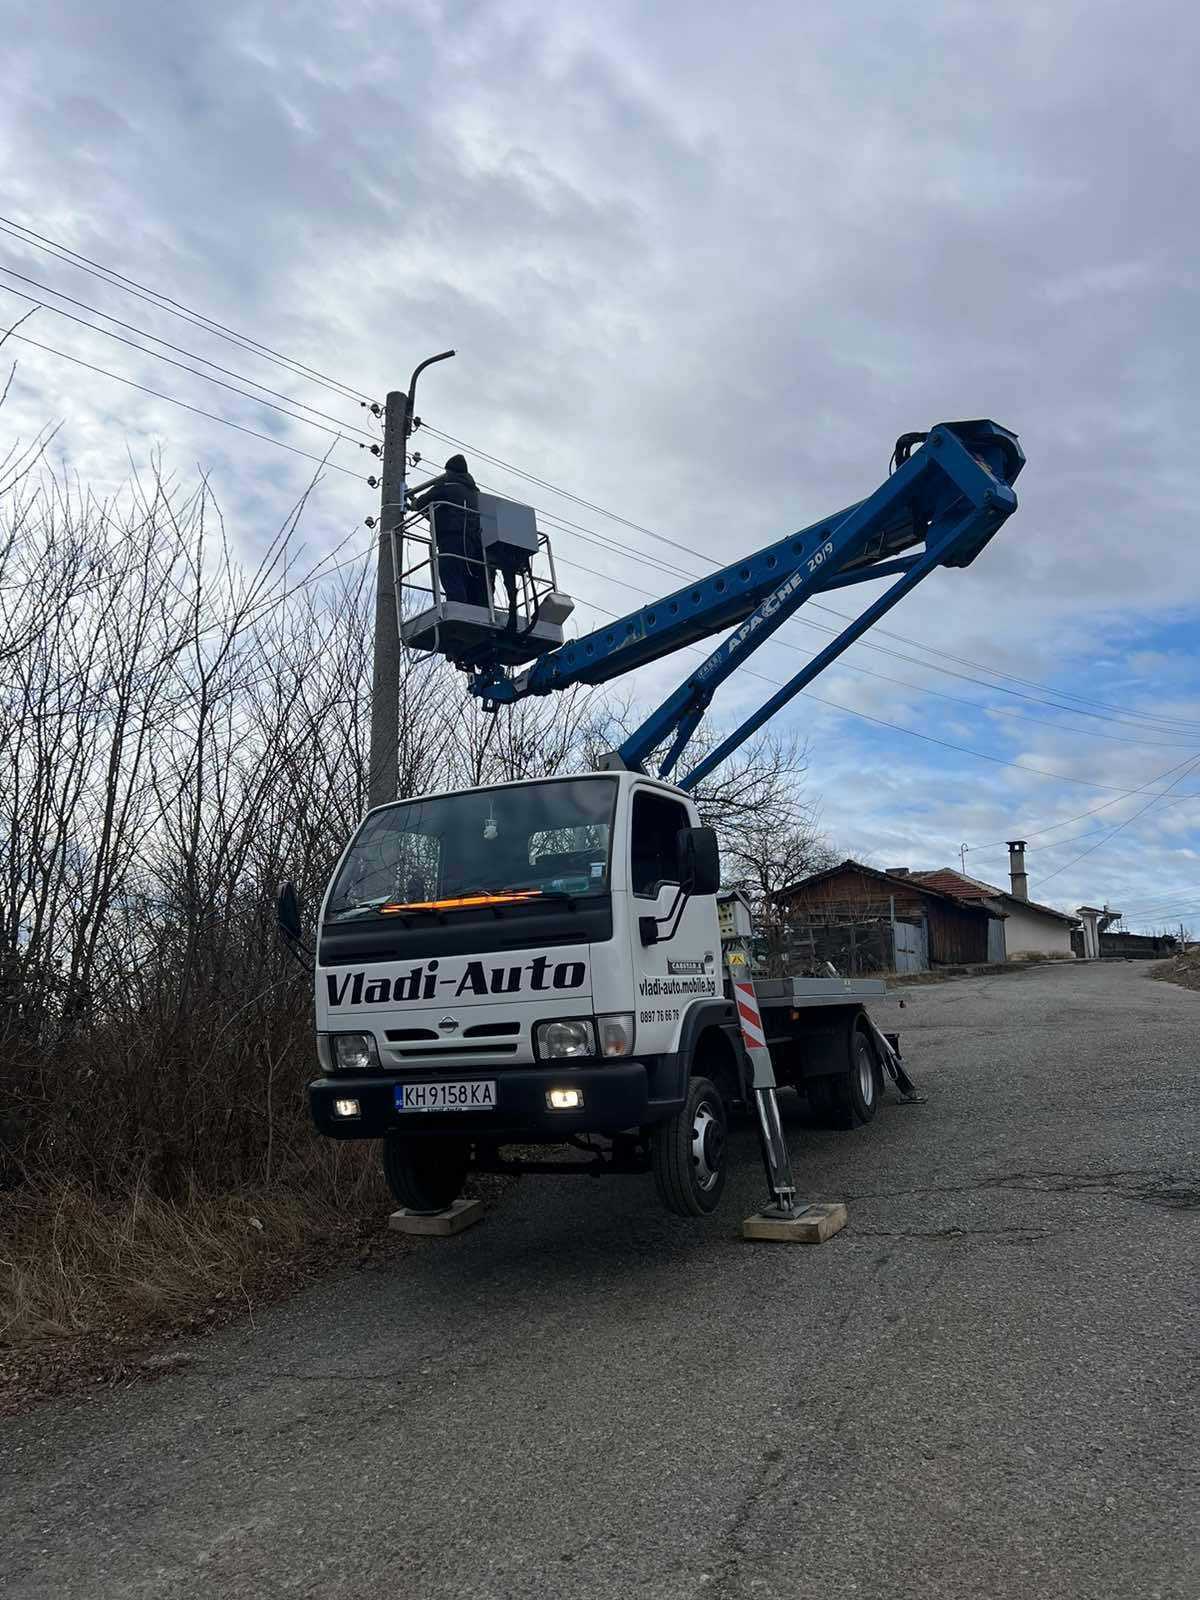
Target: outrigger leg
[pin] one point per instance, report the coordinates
(784, 1218)
(892, 1065)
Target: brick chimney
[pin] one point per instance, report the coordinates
(1016, 869)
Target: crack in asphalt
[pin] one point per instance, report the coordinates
(1161, 1188)
(1009, 1235)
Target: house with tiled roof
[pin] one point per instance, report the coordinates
(1028, 928)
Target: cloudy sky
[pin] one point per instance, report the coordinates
(701, 264)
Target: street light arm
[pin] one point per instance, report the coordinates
(412, 386)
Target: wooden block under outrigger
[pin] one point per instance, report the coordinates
(453, 1220)
(812, 1225)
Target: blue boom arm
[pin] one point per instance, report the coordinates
(938, 509)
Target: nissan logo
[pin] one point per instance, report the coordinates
(448, 1024)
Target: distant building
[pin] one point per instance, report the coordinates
(1144, 946)
(1094, 921)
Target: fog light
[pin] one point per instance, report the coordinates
(564, 1099)
(346, 1108)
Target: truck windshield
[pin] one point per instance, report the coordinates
(486, 848)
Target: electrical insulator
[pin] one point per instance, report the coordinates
(369, 522)
(373, 483)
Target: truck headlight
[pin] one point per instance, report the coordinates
(565, 1037)
(354, 1052)
(616, 1034)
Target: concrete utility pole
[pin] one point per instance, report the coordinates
(383, 761)
(383, 770)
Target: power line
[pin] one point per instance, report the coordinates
(1165, 908)
(567, 494)
(157, 355)
(212, 416)
(1091, 833)
(164, 302)
(341, 426)
(973, 705)
(1092, 848)
(1033, 833)
(881, 722)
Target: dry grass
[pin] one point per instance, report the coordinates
(1183, 969)
(90, 1282)
(93, 1288)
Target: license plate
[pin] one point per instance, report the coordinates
(446, 1096)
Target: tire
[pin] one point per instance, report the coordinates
(688, 1153)
(425, 1174)
(844, 1100)
(820, 1102)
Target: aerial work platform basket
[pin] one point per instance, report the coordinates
(463, 615)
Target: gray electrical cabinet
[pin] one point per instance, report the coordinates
(509, 532)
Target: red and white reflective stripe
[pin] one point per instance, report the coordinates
(749, 1016)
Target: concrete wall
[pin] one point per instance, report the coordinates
(1027, 932)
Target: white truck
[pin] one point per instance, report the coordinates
(539, 963)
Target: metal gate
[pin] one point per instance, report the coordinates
(996, 948)
(912, 947)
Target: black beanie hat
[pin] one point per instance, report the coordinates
(456, 464)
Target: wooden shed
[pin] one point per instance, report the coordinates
(956, 932)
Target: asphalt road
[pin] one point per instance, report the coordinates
(983, 1387)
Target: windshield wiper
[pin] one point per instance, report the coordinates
(364, 907)
(397, 909)
(542, 894)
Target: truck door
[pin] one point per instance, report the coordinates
(683, 964)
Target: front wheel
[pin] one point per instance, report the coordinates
(688, 1153)
(425, 1174)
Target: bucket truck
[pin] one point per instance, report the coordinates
(539, 963)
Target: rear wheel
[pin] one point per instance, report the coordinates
(688, 1153)
(845, 1099)
(425, 1174)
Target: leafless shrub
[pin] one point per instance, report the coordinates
(179, 732)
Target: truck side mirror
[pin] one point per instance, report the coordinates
(287, 911)
(699, 860)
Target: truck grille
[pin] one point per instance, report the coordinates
(444, 1050)
(490, 1039)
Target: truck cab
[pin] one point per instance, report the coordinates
(525, 963)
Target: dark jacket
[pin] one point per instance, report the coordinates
(454, 499)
